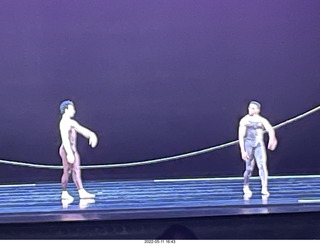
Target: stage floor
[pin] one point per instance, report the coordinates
(150, 199)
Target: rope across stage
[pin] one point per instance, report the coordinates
(159, 160)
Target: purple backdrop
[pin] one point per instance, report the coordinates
(155, 79)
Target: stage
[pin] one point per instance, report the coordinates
(210, 208)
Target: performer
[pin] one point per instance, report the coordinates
(252, 146)
(68, 150)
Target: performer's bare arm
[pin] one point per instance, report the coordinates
(272, 135)
(93, 139)
(241, 135)
(64, 132)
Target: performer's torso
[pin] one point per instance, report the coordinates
(73, 139)
(72, 135)
(254, 131)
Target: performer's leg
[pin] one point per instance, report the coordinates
(65, 176)
(249, 164)
(261, 157)
(76, 172)
(76, 175)
(249, 168)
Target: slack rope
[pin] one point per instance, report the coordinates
(159, 160)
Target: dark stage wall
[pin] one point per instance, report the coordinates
(155, 79)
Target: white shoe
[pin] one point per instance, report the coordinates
(246, 190)
(264, 199)
(84, 194)
(265, 192)
(66, 196)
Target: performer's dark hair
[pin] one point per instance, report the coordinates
(64, 105)
(256, 103)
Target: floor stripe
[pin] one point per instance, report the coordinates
(240, 178)
(18, 185)
(308, 200)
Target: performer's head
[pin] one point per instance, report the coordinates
(254, 108)
(67, 107)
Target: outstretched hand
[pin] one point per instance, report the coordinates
(93, 140)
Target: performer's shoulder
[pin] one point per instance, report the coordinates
(262, 119)
(244, 120)
(67, 123)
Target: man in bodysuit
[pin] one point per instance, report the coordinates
(68, 150)
(252, 146)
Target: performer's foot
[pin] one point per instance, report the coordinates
(265, 192)
(246, 190)
(66, 196)
(84, 194)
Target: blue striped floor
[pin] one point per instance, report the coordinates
(158, 199)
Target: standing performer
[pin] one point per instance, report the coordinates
(68, 150)
(252, 146)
